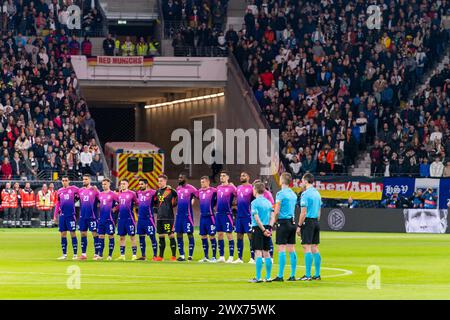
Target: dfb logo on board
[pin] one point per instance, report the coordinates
(336, 219)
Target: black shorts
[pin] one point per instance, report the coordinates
(286, 229)
(259, 240)
(164, 226)
(310, 231)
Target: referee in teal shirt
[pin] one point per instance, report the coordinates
(308, 227)
(261, 210)
(284, 217)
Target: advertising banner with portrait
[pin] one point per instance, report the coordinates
(385, 220)
(426, 220)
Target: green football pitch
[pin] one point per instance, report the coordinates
(412, 266)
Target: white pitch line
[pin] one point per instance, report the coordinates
(343, 274)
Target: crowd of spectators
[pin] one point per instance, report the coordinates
(196, 26)
(45, 126)
(417, 143)
(335, 87)
(42, 17)
(332, 85)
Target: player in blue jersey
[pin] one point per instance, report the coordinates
(243, 218)
(184, 222)
(146, 220)
(262, 213)
(65, 209)
(88, 215)
(108, 201)
(308, 227)
(207, 196)
(226, 192)
(126, 224)
(284, 217)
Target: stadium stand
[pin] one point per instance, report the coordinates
(196, 27)
(42, 17)
(328, 82)
(45, 126)
(332, 85)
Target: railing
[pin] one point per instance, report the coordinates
(171, 27)
(43, 176)
(200, 51)
(140, 12)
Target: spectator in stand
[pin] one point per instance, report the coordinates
(23, 144)
(376, 159)
(328, 154)
(142, 47)
(18, 166)
(86, 47)
(108, 45)
(6, 169)
(446, 173)
(31, 166)
(323, 167)
(86, 160)
(128, 47)
(96, 166)
(295, 165)
(424, 168)
(309, 164)
(436, 168)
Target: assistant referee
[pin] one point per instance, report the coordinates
(284, 217)
(261, 210)
(308, 227)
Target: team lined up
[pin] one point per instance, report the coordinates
(97, 208)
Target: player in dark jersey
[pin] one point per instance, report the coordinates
(88, 215)
(184, 222)
(146, 220)
(65, 209)
(207, 196)
(226, 192)
(165, 201)
(244, 218)
(108, 201)
(126, 223)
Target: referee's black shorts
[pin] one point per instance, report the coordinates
(310, 231)
(286, 229)
(259, 240)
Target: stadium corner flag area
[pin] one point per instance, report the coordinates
(200, 159)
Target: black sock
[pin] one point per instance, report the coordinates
(173, 246)
(162, 246)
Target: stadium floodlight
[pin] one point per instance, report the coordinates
(199, 98)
